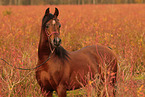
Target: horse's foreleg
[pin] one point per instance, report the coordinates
(114, 86)
(46, 93)
(61, 91)
(49, 94)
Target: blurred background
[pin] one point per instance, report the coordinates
(56, 2)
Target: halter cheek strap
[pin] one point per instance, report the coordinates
(48, 35)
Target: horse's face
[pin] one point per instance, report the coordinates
(52, 29)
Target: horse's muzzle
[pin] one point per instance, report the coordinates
(57, 41)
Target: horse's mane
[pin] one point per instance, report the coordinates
(62, 53)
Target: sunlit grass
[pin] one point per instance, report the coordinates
(120, 27)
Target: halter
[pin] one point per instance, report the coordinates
(48, 35)
(27, 68)
(38, 65)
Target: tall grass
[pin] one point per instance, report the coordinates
(120, 27)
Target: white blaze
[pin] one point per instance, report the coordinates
(53, 22)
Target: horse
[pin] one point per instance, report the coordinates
(67, 70)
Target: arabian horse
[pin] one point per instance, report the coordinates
(65, 70)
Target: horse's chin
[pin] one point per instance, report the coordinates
(56, 46)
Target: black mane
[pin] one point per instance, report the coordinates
(62, 53)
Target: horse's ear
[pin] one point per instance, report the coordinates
(47, 11)
(56, 13)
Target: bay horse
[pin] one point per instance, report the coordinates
(66, 70)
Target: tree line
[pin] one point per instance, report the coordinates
(56, 2)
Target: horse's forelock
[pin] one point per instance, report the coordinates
(47, 18)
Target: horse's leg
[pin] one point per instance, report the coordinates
(46, 93)
(115, 81)
(49, 94)
(114, 85)
(113, 77)
(61, 91)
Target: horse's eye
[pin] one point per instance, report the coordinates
(47, 26)
(59, 25)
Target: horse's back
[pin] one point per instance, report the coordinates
(90, 59)
(95, 51)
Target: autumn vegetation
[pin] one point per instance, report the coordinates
(120, 27)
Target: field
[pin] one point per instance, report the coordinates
(121, 27)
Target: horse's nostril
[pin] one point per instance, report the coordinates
(57, 41)
(54, 40)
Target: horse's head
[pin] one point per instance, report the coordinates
(51, 26)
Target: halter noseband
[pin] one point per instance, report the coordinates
(48, 35)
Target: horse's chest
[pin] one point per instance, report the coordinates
(49, 79)
(55, 70)
(55, 73)
(50, 76)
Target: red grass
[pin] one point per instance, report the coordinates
(120, 27)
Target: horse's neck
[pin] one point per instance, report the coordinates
(44, 46)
